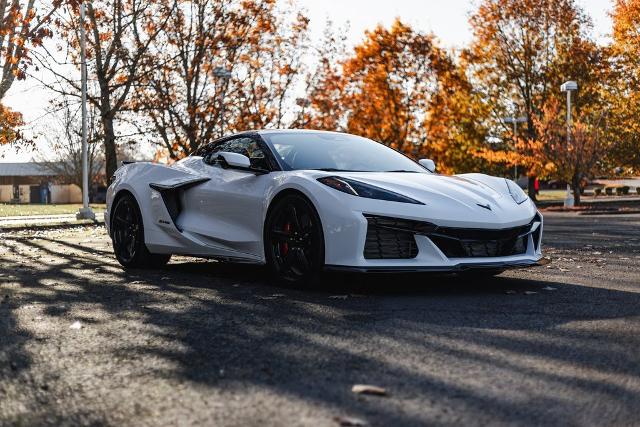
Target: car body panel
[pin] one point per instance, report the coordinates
(221, 212)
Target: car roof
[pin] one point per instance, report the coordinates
(281, 131)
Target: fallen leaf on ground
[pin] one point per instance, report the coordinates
(76, 325)
(350, 422)
(369, 389)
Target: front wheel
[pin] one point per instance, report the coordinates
(294, 242)
(127, 235)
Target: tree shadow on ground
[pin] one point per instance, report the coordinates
(224, 327)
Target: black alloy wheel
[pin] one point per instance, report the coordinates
(127, 235)
(294, 242)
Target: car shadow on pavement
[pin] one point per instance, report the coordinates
(436, 343)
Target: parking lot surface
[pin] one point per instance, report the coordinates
(83, 342)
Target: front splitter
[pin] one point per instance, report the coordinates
(501, 265)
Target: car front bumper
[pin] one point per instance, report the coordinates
(457, 268)
(346, 244)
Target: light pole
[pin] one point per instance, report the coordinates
(515, 121)
(224, 75)
(568, 87)
(85, 211)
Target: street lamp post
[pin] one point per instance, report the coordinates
(223, 75)
(515, 121)
(85, 211)
(569, 87)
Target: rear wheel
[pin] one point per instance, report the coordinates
(294, 242)
(127, 235)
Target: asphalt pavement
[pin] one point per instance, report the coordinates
(83, 342)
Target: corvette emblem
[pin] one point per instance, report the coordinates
(487, 206)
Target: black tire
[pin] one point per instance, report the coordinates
(294, 242)
(127, 236)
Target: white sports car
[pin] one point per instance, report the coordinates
(304, 201)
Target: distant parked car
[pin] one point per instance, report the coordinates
(99, 195)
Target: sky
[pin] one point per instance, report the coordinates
(447, 19)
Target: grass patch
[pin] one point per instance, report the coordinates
(551, 195)
(8, 209)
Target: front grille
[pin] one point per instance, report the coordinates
(392, 238)
(470, 248)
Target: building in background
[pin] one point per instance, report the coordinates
(35, 183)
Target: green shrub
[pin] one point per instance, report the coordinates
(625, 190)
(598, 191)
(618, 191)
(609, 191)
(638, 190)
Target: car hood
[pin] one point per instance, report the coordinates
(458, 191)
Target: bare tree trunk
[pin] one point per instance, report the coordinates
(110, 157)
(575, 186)
(532, 188)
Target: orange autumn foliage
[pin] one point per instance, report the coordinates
(522, 51)
(10, 121)
(623, 95)
(400, 88)
(23, 26)
(184, 105)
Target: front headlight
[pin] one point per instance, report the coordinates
(518, 194)
(360, 189)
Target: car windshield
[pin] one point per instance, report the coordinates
(336, 152)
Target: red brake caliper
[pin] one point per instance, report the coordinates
(284, 246)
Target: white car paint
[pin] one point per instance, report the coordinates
(224, 216)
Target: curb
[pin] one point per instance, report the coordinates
(49, 226)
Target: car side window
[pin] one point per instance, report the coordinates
(246, 146)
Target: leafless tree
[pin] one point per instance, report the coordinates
(62, 155)
(119, 33)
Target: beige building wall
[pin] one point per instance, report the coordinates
(6, 193)
(75, 194)
(61, 194)
(25, 193)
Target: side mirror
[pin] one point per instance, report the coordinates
(239, 162)
(428, 164)
(235, 160)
